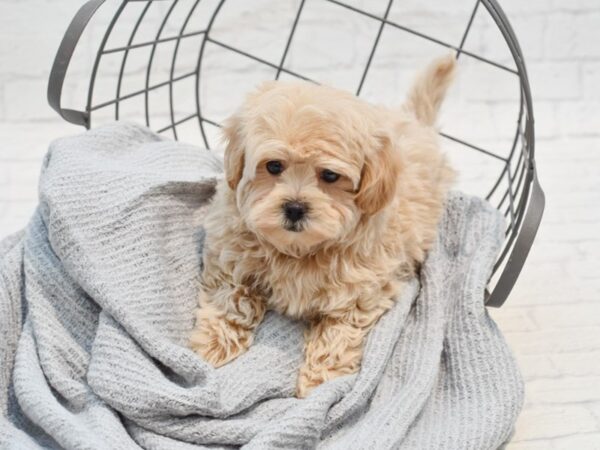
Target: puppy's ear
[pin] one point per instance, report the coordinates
(234, 150)
(234, 135)
(379, 177)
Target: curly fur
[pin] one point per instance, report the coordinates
(363, 235)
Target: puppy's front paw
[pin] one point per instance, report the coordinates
(307, 381)
(333, 349)
(311, 377)
(219, 341)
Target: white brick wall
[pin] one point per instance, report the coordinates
(552, 319)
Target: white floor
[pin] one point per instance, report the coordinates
(552, 319)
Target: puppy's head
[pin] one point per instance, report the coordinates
(306, 162)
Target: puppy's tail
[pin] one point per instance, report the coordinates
(429, 89)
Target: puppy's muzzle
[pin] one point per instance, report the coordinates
(294, 213)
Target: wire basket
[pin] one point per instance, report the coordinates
(168, 47)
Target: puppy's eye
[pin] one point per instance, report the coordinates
(274, 167)
(329, 176)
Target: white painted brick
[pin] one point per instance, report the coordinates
(581, 6)
(546, 120)
(551, 341)
(21, 209)
(584, 231)
(574, 213)
(595, 409)
(4, 175)
(27, 100)
(30, 33)
(530, 31)
(572, 35)
(19, 193)
(555, 80)
(591, 80)
(559, 38)
(534, 367)
(22, 173)
(30, 141)
(2, 101)
(580, 148)
(518, 7)
(580, 117)
(11, 225)
(586, 40)
(514, 319)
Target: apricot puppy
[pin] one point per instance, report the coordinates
(328, 204)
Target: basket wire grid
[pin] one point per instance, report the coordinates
(522, 201)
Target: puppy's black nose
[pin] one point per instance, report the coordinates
(294, 211)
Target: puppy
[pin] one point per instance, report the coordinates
(328, 205)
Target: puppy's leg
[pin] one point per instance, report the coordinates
(334, 347)
(225, 323)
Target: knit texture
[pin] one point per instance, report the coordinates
(97, 299)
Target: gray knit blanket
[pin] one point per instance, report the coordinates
(97, 298)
